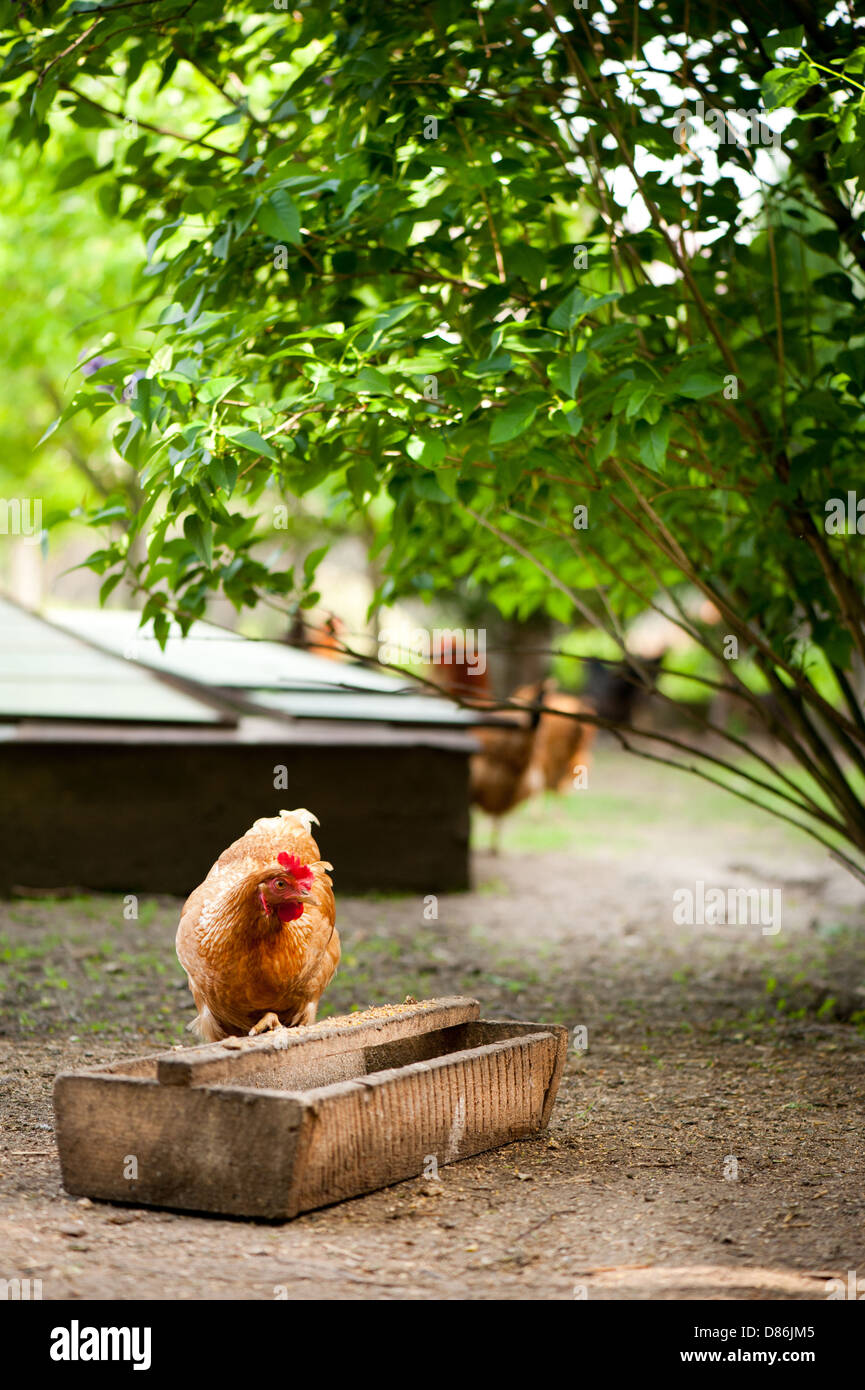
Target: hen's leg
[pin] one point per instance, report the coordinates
(265, 1024)
(309, 1013)
(495, 836)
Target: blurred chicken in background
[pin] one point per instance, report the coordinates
(614, 689)
(500, 772)
(323, 639)
(562, 742)
(540, 751)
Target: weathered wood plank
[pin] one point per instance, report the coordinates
(203, 1149)
(286, 1058)
(369, 1133)
(483, 1031)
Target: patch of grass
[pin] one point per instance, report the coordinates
(30, 950)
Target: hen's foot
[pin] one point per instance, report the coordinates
(265, 1024)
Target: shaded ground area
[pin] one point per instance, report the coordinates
(708, 1143)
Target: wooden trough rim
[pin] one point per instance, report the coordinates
(523, 1037)
(298, 1102)
(240, 1056)
(227, 1064)
(344, 1034)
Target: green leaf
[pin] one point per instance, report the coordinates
(223, 470)
(606, 442)
(222, 243)
(575, 307)
(249, 439)
(653, 441)
(216, 388)
(429, 451)
(392, 316)
(312, 562)
(513, 420)
(161, 629)
(496, 365)
(699, 384)
(574, 421)
(784, 86)
(427, 487)
(75, 173)
(279, 218)
(372, 382)
(200, 537)
(565, 373)
(636, 396)
(110, 583)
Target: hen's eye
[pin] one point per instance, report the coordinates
(279, 883)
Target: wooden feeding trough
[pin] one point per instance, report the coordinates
(296, 1119)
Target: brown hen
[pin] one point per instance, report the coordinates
(562, 743)
(498, 773)
(257, 938)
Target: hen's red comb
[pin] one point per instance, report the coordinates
(302, 872)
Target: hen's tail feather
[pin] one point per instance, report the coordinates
(306, 818)
(206, 1027)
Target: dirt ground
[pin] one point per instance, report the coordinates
(707, 1144)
